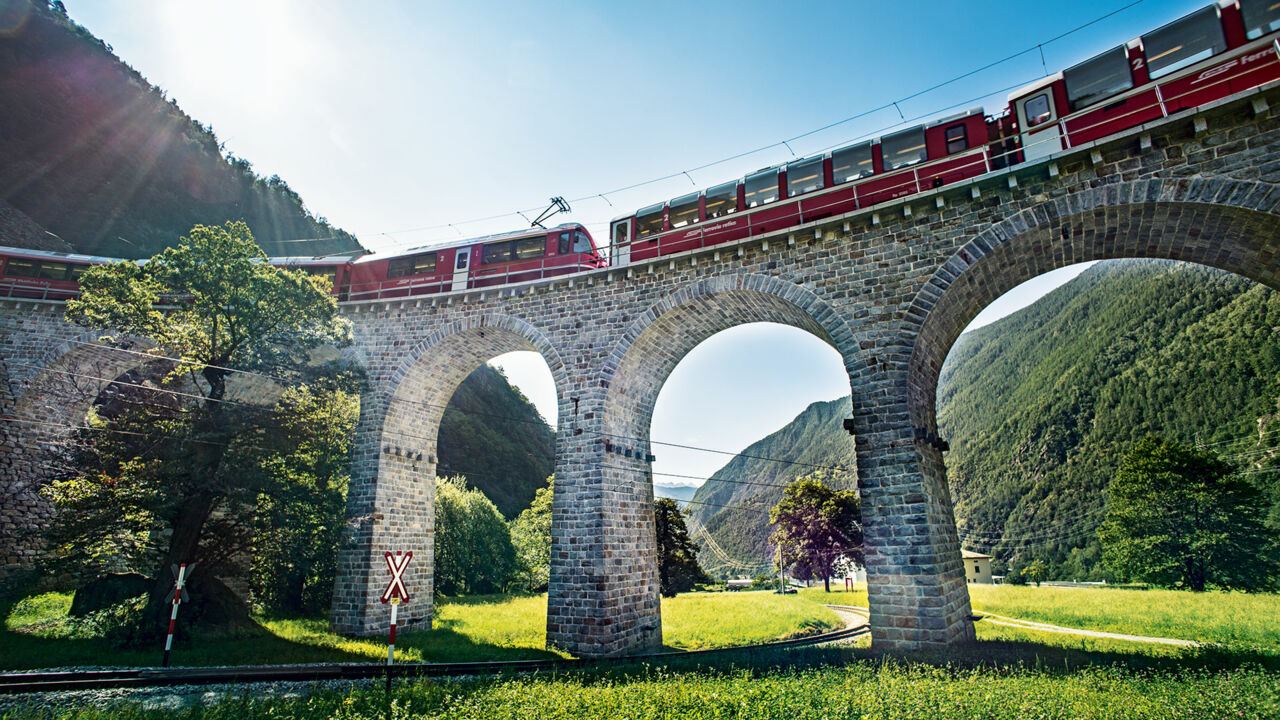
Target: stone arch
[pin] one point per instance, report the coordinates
(46, 393)
(607, 478)
(1217, 222)
(1226, 224)
(391, 499)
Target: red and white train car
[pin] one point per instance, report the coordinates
(42, 274)
(531, 254)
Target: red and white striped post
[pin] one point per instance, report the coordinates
(396, 593)
(391, 645)
(173, 617)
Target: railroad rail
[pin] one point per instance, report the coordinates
(35, 682)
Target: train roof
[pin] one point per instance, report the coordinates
(52, 255)
(460, 242)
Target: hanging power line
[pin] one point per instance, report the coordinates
(1037, 47)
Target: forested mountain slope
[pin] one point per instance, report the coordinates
(1039, 407)
(733, 505)
(96, 155)
(495, 437)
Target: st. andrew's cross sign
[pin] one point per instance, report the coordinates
(396, 590)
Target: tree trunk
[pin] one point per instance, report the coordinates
(826, 584)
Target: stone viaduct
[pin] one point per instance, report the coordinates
(890, 288)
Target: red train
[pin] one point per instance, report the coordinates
(1210, 54)
(1207, 55)
(478, 262)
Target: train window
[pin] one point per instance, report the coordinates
(804, 176)
(649, 220)
(495, 252)
(564, 245)
(581, 242)
(1037, 110)
(78, 270)
(1098, 78)
(903, 148)
(762, 188)
(1260, 17)
(684, 210)
(529, 248)
(851, 163)
(420, 264)
(20, 268)
(957, 139)
(722, 200)
(1184, 42)
(52, 271)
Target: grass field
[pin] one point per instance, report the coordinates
(38, 633)
(1009, 673)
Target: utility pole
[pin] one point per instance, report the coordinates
(782, 587)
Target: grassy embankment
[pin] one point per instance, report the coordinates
(38, 633)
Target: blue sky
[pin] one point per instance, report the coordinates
(393, 119)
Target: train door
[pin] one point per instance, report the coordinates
(461, 268)
(1038, 118)
(621, 250)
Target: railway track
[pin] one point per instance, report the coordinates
(37, 682)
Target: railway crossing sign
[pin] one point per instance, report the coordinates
(396, 590)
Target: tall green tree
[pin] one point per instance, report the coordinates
(1179, 516)
(214, 308)
(678, 568)
(817, 527)
(531, 536)
(473, 550)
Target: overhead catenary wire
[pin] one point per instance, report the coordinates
(1037, 47)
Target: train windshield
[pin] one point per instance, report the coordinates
(1098, 78)
(851, 163)
(1184, 42)
(804, 176)
(649, 220)
(722, 200)
(903, 148)
(1260, 17)
(582, 242)
(684, 210)
(761, 188)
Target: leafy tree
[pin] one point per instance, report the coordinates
(473, 550)
(1181, 516)
(214, 308)
(300, 525)
(816, 527)
(1035, 571)
(531, 536)
(678, 568)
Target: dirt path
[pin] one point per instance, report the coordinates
(854, 616)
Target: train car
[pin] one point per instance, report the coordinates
(809, 189)
(519, 256)
(1208, 55)
(42, 274)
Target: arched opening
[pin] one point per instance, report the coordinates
(1056, 408)
(733, 391)
(401, 450)
(622, 480)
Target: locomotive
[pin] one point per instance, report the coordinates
(1205, 56)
